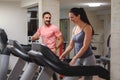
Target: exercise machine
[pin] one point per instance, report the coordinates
(43, 55)
(3, 57)
(4, 63)
(8, 47)
(105, 60)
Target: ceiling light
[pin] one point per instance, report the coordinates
(93, 4)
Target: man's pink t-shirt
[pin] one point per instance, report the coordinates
(49, 35)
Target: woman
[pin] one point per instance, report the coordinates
(81, 38)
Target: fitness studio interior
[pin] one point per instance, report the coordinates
(19, 20)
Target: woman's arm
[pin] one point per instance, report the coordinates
(68, 49)
(86, 42)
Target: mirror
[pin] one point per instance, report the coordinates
(99, 17)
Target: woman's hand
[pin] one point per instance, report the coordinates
(62, 57)
(72, 62)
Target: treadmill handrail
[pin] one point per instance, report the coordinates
(57, 65)
(19, 53)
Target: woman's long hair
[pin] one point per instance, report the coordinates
(83, 16)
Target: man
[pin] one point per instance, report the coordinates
(51, 36)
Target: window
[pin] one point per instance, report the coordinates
(32, 22)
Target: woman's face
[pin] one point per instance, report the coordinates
(74, 18)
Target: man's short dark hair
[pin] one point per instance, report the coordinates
(46, 13)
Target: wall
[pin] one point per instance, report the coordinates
(97, 24)
(98, 38)
(29, 3)
(54, 8)
(107, 32)
(64, 13)
(115, 40)
(13, 19)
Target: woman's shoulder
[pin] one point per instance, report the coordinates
(88, 29)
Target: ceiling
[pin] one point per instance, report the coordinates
(10, 0)
(67, 4)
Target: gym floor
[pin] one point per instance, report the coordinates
(94, 78)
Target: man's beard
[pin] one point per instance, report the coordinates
(47, 23)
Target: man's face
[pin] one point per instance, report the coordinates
(47, 19)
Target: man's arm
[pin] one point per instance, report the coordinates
(35, 37)
(59, 42)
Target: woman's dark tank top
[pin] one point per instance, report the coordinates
(78, 40)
